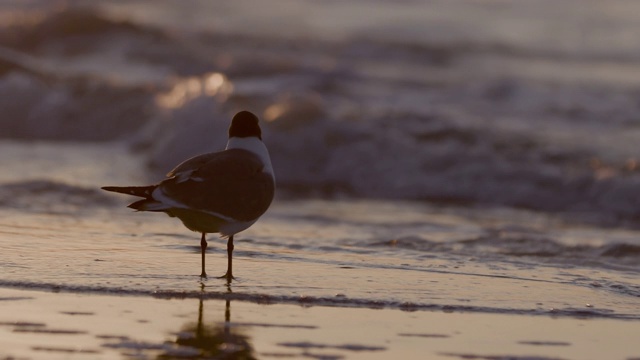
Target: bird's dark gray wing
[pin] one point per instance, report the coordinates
(231, 183)
(184, 170)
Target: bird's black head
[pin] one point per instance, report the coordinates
(245, 124)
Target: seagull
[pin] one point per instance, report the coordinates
(222, 192)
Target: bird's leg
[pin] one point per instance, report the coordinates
(203, 248)
(229, 274)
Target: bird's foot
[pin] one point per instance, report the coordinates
(203, 275)
(227, 276)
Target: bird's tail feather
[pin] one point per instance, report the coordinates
(142, 191)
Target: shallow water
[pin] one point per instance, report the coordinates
(343, 252)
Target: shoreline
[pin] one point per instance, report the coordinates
(338, 301)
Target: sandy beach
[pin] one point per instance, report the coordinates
(108, 285)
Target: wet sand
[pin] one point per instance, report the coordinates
(284, 260)
(41, 324)
(72, 289)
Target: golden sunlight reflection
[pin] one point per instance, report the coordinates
(16, 17)
(294, 110)
(213, 82)
(186, 89)
(632, 164)
(604, 171)
(274, 111)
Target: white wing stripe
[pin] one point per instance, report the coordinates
(169, 202)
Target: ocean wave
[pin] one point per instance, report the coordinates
(358, 118)
(54, 84)
(46, 196)
(516, 247)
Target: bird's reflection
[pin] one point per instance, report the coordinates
(217, 340)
